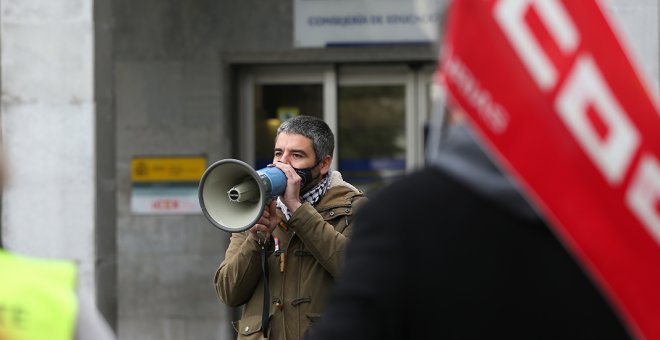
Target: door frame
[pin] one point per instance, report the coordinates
(331, 76)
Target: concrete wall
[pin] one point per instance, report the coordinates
(106, 184)
(168, 103)
(48, 122)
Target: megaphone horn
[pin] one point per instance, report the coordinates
(233, 195)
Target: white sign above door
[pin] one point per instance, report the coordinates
(333, 23)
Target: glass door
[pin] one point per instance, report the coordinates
(371, 125)
(277, 103)
(270, 95)
(378, 115)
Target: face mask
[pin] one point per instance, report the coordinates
(306, 176)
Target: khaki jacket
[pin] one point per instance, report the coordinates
(311, 253)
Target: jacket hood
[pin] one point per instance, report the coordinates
(337, 180)
(340, 192)
(462, 157)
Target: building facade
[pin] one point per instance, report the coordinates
(89, 86)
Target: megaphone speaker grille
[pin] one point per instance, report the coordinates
(228, 213)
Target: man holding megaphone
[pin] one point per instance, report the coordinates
(303, 232)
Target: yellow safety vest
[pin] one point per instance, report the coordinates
(37, 298)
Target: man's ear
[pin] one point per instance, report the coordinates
(325, 164)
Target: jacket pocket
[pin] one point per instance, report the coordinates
(336, 212)
(339, 217)
(248, 325)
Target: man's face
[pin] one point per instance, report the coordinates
(298, 151)
(295, 150)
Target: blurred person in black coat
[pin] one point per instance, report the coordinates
(454, 251)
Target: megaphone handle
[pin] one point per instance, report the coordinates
(262, 238)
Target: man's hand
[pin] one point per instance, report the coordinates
(266, 224)
(291, 197)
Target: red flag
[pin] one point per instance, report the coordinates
(549, 86)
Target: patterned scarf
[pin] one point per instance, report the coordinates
(312, 196)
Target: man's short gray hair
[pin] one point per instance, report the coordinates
(323, 140)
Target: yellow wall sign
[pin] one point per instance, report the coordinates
(285, 113)
(167, 169)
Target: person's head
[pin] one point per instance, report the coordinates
(305, 142)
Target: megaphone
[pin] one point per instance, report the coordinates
(233, 195)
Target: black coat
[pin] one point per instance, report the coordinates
(432, 259)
